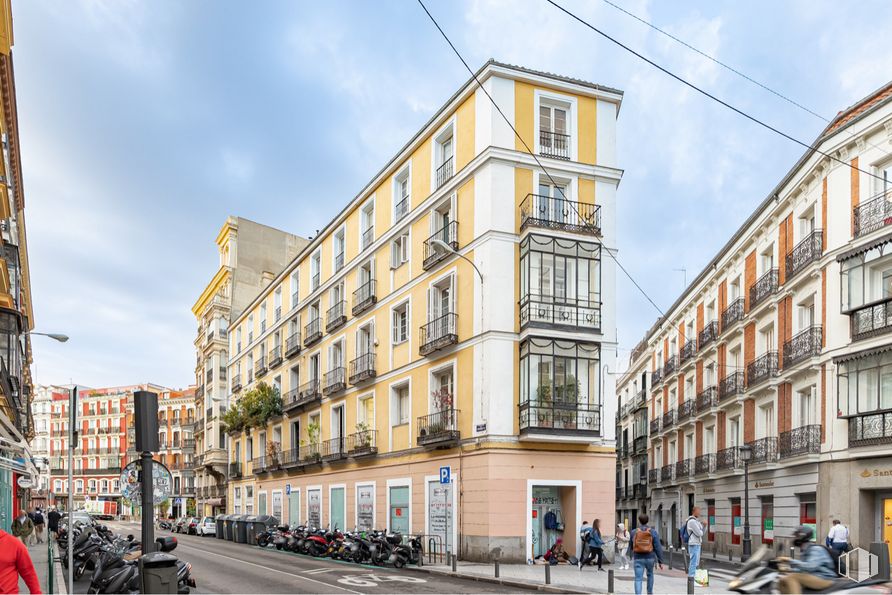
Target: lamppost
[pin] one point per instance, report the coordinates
(746, 454)
(56, 336)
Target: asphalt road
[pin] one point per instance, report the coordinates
(225, 567)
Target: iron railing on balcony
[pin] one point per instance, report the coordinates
(731, 385)
(707, 399)
(439, 333)
(683, 470)
(312, 331)
(640, 399)
(309, 391)
(655, 425)
(764, 287)
(315, 280)
(362, 443)
(208, 376)
(640, 444)
(334, 380)
(236, 383)
(400, 209)
(554, 144)
(656, 377)
(666, 472)
(686, 410)
(670, 366)
(367, 237)
(538, 210)
(704, 464)
(709, 334)
(438, 428)
(764, 450)
(800, 441)
(336, 316)
(275, 356)
(733, 313)
(339, 261)
(363, 368)
(803, 345)
(652, 475)
(292, 344)
(873, 214)
(688, 350)
(235, 470)
(364, 297)
(870, 429)
(870, 321)
(333, 449)
(669, 419)
(260, 366)
(559, 417)
(433, 253)
(547, 310)
(761, 369)
(804, 253)
(728, 459)
(444, 172)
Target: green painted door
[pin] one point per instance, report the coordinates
(338, 509)
(261, 504)
(6, 500)
(294, 508)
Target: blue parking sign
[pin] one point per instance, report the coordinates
(287, 489)
(445, 474)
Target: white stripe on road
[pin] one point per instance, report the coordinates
(291, 574)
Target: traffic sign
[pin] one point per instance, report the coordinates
(161, 482)
(445, 474)
(287, 489)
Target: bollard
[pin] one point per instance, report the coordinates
(454, 562)
(714, 549)
(690, 585)
(729, 553)
(497, 569)
(52, 571)
(670, 557)
(793, 553)
(548, 574)
(610, 581)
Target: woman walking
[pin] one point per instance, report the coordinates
(622, 544)
(596, 545)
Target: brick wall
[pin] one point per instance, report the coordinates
(784, 407)
(784, 243)
(749, 278)
(699, 324)
(681, 395)
(679, 440)
(749, 420)
(722, 357)
(699, 437)
(856, 191)
(749, 343)
(720, 429)
(699, 381)
(723, 300)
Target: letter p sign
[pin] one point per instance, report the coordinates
(445, 473)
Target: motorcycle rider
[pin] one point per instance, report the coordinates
(814, 570)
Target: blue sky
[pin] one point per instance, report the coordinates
(144, 124)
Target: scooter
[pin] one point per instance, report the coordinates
(117, 570)
(406, 553)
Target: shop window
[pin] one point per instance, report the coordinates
(399, 510)
(736, 521)
(710, 520)
(767, 527)
(808, 512)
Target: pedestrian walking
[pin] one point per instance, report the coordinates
(53, 521)
(584, 530)
(838, 537)
(645, 550)
(595, 546)
(693, 534)
(39, 524)
(15, 561)
(622, 544)
(23, 527)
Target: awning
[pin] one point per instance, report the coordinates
(848, 357)
(213, 502)
(864, 248)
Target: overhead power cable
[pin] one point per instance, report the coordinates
(533, 154)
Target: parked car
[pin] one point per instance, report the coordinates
(192, 525)
(207, 526)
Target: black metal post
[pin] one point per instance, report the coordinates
(148, 510)
(690, 585)
(497, 569)
(548, 574)
(610, 588)
(747, 542)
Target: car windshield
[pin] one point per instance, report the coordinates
(208, 519)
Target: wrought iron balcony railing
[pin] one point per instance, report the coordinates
(235, 470)
(335, 380)
(804, 253)
(559, 417)
(367, 237)
(364, 297)
(363, 368)
(872, 320)
(640, 445)
(315, 281)
(554, 144)
(728, 459)
(312, 331)
(546, 311)
(873, 214)
(656, 377)
(433, 253)
(803, 345)
(733, 313)
(667, 472)
(686, 410)
(438, 333)
(670, 366)
(800, 441)
(761, 369)
(538, 210)
(444, 172)
(438, 428)
(275, 356)
(669, 419)
(731, 385)
(683, 470)
(764, 450)
(764, 287)
(688, 351)
(704, 464)
(652, 475)
(333, 449)
(339, 261)
(260, 366)
(401, 209)
(870, 429)
(309, 391)
(336, 316)
(707, 399)
(709, 334)
(362, 443)
(655, 426)
(292, 344)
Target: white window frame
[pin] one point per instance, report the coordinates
(331, 487)
(554, 99)
(395, 419)
(400, 249)
(367, 214)
(342, 232)
(294, 285)
(366, 484)
(360, 410)
(394, 338)
(447, 130)
(399, 483)
(316, 263)
(404, 173)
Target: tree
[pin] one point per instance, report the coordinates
(254, 409)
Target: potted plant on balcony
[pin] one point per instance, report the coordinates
(272, 454)
(313, 434)
(363, 443)
(441, 420)
(566, 403)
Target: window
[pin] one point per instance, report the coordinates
(238, 340)
(865, 384)
(295, 289)
(366, 411)
(401, 189)
(767, 423)
(263, 317)
(338, 244)
(554, 138)
(561, 372)
(250, 328)
(443, 156)
(440, 298)
(249, 499)
(401, 405)
(401, 323)
(767, 259)
(399, 250)
(277, 304)
(367, 225)
(734, 431)
(806, 313)
(442, 395)
(315, 270)
(808, 399)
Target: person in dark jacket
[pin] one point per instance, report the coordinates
(39, 524)
(53, 520)
(643, 561)
(595, 546)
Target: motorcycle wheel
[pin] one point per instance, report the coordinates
(399, 562)
(79, 572)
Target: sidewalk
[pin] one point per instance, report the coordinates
(40, 558)
(569, 578)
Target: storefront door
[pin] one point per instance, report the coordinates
(294, 507)
(314, 507)
(887, 524)
(547, 517)
(768, 520)
(736, 522)
(399, 509)
(710, 520)
(338, 512)
(440, 515)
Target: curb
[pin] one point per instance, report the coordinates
(59, 586)
(497, 581)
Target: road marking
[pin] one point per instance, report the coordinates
(291, 574)
(324, 570)
(372, 580)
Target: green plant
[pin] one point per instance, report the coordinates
(364, 435)
(313, 432)
(254, 409)
(442, 399)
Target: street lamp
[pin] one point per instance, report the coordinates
(56, 336)
(444, 247)
(746, 454)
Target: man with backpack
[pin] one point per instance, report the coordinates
(645, 550)
(692, 537)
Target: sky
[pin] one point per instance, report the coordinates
(143, 125)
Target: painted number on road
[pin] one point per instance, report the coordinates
(372, 580)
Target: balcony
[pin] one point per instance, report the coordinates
(315, 280)
(439, 333)
(655, 426)
(362, 368)
(438, 429)
(656, 377)
(872, 320)
(639, 445)
(764, 287)
(668, 419)
(652, 476)
(189, 444)
(688, 351)
(764, 450)
(733, 313)
(873, 214)
(804, 253)
(683, 470)
(686, 410)
(870, 429)
(554, 144)
(401, 209)
(362, 444)
(292, 344)
(803, 345)
(567, 419)
(332, 450)
(670, 366)
(367, 237)
(260, 367)
(444, 172)
(307, 393)
(339, 261)
(275, 356)
(364, 297)
(312, 331)
(704, 464)
(731, 386)
(277, 313)
(434, 253)
(761, 369)
(805, 440)
(707, 400)
(537, 210)
(545, 311)
(335, 380)
(709, 334)
(103, 471)
(728, 459)
(666, 472)
(336, 316)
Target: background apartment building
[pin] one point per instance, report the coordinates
(779, 348)
(457, 313)
(250, 255)
(16, 313)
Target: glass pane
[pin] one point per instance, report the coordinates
(544, 117)
(560, 121)
(886, 387)
(867, 390)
